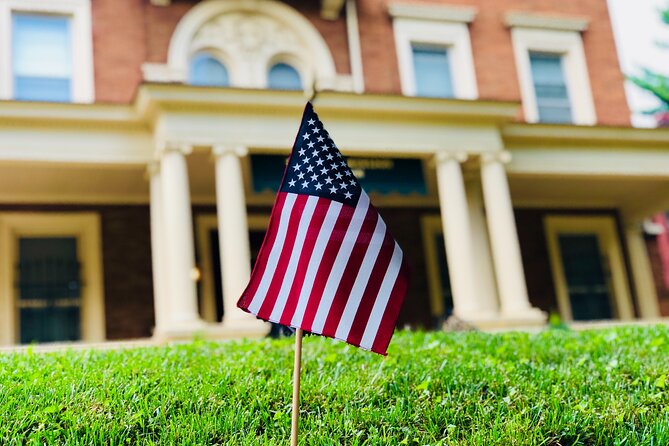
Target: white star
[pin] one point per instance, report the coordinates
(296, 166)
(310, 168)
(319, 161)
(324, 170)
(311, 122)
(329, 157)
(320, 139)
(339, 154)
(314, 153)
(302, 152)
(291, 183)
(318, 186)
(314, 177)
(305, 184)
(338, 175)
(343, 185)
(343, 164)
(333, 189)
(311, 144)
(316, 130)
(352, 182)
(348, 195)
(306, 136)
(348, 173)
(300, 176)
(324, 147)
(328, 180)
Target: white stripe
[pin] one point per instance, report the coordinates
(361, 280)
(382, 298)
(275, 253)
(340, 263)
(291, 269)
(315, 261)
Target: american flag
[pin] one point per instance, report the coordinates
(328, 264)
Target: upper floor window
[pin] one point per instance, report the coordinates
(41, 57)
(552, 69)
(550, 88)
(46, 50)
(432, 71)
(434, 51)
(206, 70)
(282, 76)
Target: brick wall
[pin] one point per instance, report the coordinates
(129, 32)
(656, 265)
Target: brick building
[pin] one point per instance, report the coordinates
(141, 143)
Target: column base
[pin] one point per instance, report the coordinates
(181, 331)
(530, 318)
(241, 328)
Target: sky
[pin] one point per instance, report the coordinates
(637, 28)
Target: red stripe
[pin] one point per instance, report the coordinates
(389, 318)
(322, 206)
(350, 272)
(371, 291)
(328, 259)
(267, 306)
(265, 248)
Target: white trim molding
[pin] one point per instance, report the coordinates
(523, 19)
(79, 11)
(85, 227)
(248, 36)
(569, 45)
(435, 25)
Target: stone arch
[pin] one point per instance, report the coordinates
(251, 33)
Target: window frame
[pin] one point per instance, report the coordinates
(79, 12)
(442, 26)
(531, 34)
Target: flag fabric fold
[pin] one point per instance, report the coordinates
(328, 263)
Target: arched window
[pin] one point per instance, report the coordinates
(208, 71)
(283, 77)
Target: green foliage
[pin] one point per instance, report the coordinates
(655, 83)
(557, 387)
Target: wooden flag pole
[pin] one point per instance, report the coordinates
(296, 387)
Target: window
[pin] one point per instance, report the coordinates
(46, 50)
(206, 70)
(434, 51)
(432, 71)
(550, 88)
(41, 57)
(552, 69)
(283, 77)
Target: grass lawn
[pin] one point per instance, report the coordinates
(558, 387)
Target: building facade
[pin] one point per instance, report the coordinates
(142, 142)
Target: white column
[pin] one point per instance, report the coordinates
(458, 237)
(178, 235)
(515, 304)
(233, 236)
(481, 245)
(644, 283)
(160, 288)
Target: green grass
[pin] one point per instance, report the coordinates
(558, 387)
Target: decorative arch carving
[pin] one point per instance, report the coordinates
(251, 34)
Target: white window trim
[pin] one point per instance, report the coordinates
(569, 45)
(85, 227)
(434, 25)
(79, 11)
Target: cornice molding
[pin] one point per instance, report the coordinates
(522, 19)
(461, 14)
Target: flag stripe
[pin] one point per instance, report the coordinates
(371, 290)
(387, 326)
(261, 262)
(382, 299)
(291, 268)
(275, 253)
(315, 258)
(352, 271)
(307, 254)
(279, 272)
(325, 265)
(343, 257)
(364, 276)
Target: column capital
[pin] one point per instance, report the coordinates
(219, 150)
(502, 157)
(173, 146)
(441, 157)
